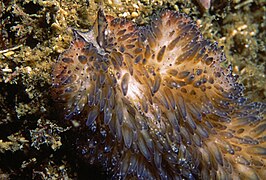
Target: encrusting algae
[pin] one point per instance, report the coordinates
(155, 102)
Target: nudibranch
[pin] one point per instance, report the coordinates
(156, 102)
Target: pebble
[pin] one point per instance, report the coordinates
(134, 14)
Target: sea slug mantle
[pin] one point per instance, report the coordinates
(154, 102)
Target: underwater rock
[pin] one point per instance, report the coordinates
(157, 102)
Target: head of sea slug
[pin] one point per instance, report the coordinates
(155, 102)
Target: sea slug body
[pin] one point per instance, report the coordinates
(154, 102)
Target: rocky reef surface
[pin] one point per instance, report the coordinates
(33, 33)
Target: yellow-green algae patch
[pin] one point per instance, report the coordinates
(33, 34)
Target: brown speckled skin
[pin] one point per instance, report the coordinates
(155, 102)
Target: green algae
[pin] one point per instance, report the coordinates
(34, 33)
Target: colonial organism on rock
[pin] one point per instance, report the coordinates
(155, 102)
